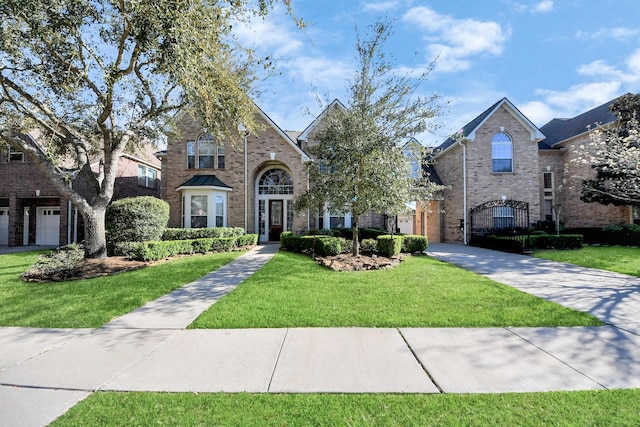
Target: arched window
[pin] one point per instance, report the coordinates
(275, 181)
(501, 153)
(205, 153)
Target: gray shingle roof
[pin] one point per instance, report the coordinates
(559, 130)
(204, 181)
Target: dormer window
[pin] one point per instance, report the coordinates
(501, 153)
(205, 153)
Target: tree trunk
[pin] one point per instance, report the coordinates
(95, 243)
(355, 247)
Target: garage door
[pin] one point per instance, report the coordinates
(48, 226)
(4, 226)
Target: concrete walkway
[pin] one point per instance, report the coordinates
(44, 372)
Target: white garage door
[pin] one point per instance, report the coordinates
(4, 226)
(48, 226)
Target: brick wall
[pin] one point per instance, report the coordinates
(482, 184)
(260, 148)
(576, 213)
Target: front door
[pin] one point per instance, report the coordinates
(275, 219)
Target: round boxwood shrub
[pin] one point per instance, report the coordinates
(136, 219)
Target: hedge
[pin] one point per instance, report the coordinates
(319, 244)
(414, 243)
(550, 241)
(389, 245)
(198, 233)
(617, 234)
(155, 250)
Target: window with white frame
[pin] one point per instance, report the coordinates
(501, 153)
(15, 155)
(204, 209)
(147, 177)
(205, 153)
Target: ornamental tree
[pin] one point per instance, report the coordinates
(614, 153)
(358, 164)
(93, 78)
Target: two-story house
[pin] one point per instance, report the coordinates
(504, 172)
(33, 212)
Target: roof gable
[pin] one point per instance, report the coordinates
(468, 131)
(304, 136)
(282, 134)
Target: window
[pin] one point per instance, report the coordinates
(147, 177)
(275, 181)
(205, 153)
(414, 160)
(548, 195)
(502, 153)
(15, 155)
(199, 205)
(219, 211)
(502, 217)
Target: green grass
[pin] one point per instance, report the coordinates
(90, 303)
(293, 291)
(589, 408)
(621, 259)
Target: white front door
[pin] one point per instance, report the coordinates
(48, 226)
(4, 226)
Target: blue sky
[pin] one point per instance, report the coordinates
(551, 58)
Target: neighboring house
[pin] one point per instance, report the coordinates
(504, 172)
(32, 211)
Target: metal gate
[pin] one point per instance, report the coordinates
(502, 225)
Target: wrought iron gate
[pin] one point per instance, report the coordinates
(502, 225)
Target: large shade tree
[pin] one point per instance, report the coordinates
(93, 78)
(359, 164)
(614, 154)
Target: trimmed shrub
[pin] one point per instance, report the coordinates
(329, 246)
(200, 233)
(389, 245)
(247, 240)
(136, 219)
(414, 243)
(153, 251)
(550, 241)
(223, 244)
(321, 245)
(202, 245)
(368, 245)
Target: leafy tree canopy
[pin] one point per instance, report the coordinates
(359, 164)
(93, 77)
(614, 153)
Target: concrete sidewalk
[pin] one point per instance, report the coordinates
(47, 371)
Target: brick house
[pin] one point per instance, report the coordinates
(503, 171)
(249, 183)
(32, 211)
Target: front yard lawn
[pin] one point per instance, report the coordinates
(293, 291)
(588, 408)
(621, 259)
(90, 303)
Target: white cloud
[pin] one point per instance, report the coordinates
(617, 33)
(544, 6)
(271, 35)
(633, 63)
(598, 68)
(456, 41)
(568, 103)
(381, 6)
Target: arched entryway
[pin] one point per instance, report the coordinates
(274, 203)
